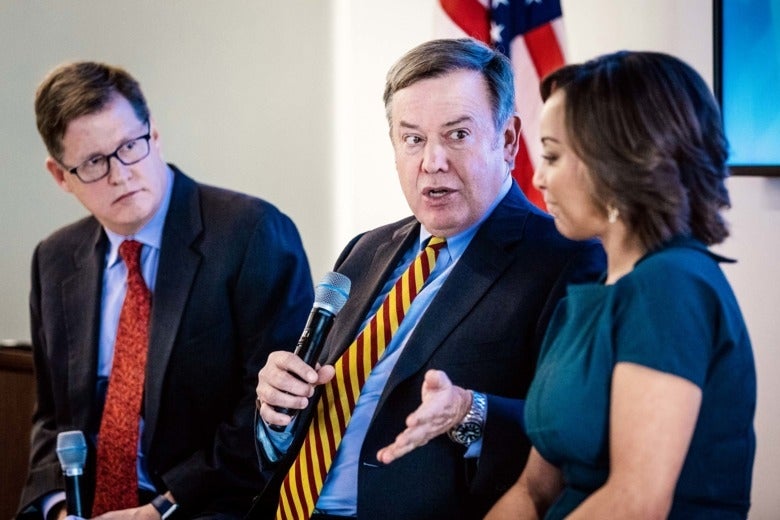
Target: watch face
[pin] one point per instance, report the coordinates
(468, 432)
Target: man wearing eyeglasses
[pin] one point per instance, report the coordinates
(176, 289)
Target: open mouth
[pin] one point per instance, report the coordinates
(437, 192)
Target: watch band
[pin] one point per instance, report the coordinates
(470, 428)
(164, 506)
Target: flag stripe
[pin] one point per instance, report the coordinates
(544, 50)
(469, 15)
(529, 106)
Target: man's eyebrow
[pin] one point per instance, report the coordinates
(454, 122)
(458, 121)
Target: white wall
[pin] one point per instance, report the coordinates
(282, 99)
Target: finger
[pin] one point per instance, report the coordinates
(435, 380)
(274, 378)
(391, 453)
(271, 416)
(273, 396)
(403, 445)
(325, 373)
(283, 361)
(387, 455)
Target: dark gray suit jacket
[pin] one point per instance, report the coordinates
(484, 329)
(233, 284)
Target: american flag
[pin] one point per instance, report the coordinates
(531, 33)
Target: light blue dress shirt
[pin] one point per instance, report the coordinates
(339, 492)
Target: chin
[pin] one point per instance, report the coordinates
(446, 224)
(566, 231)
(442, 229)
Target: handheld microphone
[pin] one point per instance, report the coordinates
(330, 295)
(72, 452)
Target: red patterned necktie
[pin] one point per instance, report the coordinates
(302, 485)
(116, 478)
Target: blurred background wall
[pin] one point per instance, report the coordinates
(282, 99)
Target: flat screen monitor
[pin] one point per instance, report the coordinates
(747, 82)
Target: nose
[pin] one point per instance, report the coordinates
(434, 158)
(538, 179)
(117, 172)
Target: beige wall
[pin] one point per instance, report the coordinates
(282, 99)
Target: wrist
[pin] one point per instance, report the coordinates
(471, 427)
(467, 402)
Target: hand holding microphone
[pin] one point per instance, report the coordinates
(330, 295)
(72, 453)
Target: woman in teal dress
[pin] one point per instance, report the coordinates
(643, 401)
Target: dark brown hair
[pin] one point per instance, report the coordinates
(649, 130)
(77, 89)
(436, 58)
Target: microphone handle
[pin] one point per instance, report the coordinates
(309, 348)
(73, 495)
(313, 336)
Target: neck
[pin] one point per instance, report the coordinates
(623, 251)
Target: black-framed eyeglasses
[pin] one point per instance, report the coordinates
(127, 153)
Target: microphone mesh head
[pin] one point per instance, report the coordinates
(332, 292)
(72, 451)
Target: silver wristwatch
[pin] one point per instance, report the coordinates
(470, 428)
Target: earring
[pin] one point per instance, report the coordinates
(612, 214)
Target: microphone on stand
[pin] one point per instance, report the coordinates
(330, 295)
(72, 452)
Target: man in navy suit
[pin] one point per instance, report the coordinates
(437, 431)
(229, 280)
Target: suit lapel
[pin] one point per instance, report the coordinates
(490, 252)
(82, 322)
(179, 261)
(364, 292)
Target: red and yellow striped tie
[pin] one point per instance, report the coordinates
(301, 487)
